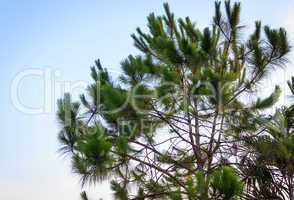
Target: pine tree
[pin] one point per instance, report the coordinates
(269, 170)
(173, 126)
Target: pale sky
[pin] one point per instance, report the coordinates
(58, 40)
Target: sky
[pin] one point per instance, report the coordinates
(47, 47)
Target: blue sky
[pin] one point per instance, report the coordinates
(66, 37)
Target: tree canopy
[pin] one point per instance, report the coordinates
(178, 123)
